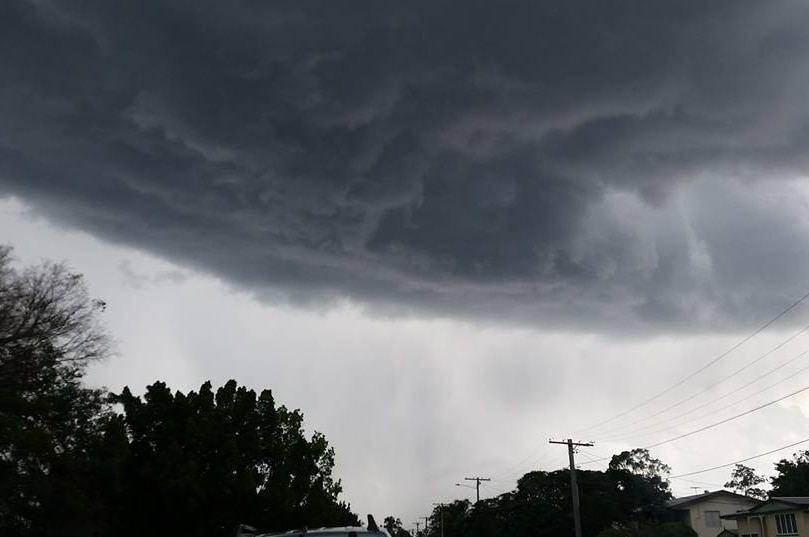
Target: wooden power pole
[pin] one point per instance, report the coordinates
(477, 481)
(574, 486)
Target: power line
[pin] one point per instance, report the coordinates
(741, 460)
(600, 462)
(700, 370)
(726, 420)
(731, 405)
(522, 461)
(715, 384)
(712, 401)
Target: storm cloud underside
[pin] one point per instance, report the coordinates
(612, 163)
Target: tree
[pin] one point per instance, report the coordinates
(450, 517)
(52, 424)
(631, 494)
(744, 480)
(395, 527)
(203, 462)
(643, 483)
(792, 478)
(46, 308)
(639, 462)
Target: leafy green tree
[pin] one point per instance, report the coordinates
(792, 478)
(745, 480)
(51, 451)
(204, 462)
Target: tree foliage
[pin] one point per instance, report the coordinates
(394, 527)
(744, 480)
(204, 461)
(541, 503)
(79, 461)
(46, 308)
(792, 478)
(51, 423)
(642, 481)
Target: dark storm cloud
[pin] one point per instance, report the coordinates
(526, 159)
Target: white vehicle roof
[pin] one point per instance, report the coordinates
(347, 531)
(327, 532)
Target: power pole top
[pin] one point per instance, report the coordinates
(570, 442)
(477, 481)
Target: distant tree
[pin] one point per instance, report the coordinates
(452, 518)
(203, 462)
(395, 527)
(640, 462)
(744, 480)
(52, 443)
(643, 483)
(792, 478)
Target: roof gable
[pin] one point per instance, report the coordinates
(685, 501)
(782, 504)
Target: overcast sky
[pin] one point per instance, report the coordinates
(445, 230)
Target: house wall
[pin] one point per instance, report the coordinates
(725, 506)
(753, 525)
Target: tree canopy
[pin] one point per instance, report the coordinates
(76, 460)
(206, 460)
(51, 423)
(630, 492)
(744, 480)
(792, 478)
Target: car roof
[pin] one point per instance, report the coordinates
(325, 532)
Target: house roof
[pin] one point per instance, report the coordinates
(678, 503)
(797, 500)
(728, 533)
(776, 504)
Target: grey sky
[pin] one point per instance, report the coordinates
(414, 405)
(507, 217)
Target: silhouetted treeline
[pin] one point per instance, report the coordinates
(78, 461)
(627, 499)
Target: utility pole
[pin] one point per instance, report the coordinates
(574, 486)
(426, 522)
(477, 481)
(417, 528)
(441, 506)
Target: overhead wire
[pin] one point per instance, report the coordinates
(711, 413)
(714, 384)
(726, 420)
(685, 379)
(719, 467)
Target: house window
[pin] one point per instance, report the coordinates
(785, 524)
(712, 519)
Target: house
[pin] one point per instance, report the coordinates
(704, 512)
(777, 517)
